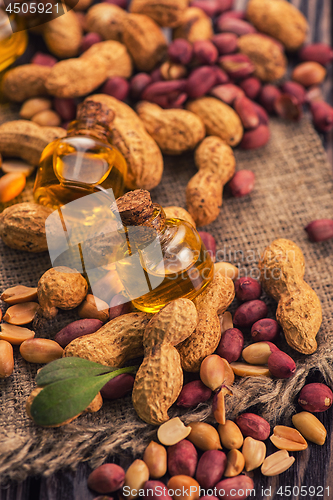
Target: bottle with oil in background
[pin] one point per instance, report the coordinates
(163, 259)
(82, 163)
(12, 43)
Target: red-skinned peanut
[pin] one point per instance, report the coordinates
(242, 183)
(211, 467)
(249, 312)
(231, 345)
(182, 459)
(193, 393)
(247, 288)
(265, 330)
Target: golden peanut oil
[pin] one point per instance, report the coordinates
(82, 163)
(98, 166)
(183, 268)
(12, 45)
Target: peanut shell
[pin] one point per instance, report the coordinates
(299, 310)
(279, 19)
(25, 81)
(159, 380)
(63, 35)
(75, 77)
(117, 341)
(106, 20)
(22, 227)
(167, 13)
(214, 154)
(214, 300)
(31, 137)
(266, 54)
(194, 25)
(143, 156)
(144, 40)
(60, 287)
(113, 55)
(174, 130)
(219, 118)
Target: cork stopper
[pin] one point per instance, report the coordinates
(95, 112)
(134, 208)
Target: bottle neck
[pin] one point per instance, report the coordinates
(89, 127)
(152, 229)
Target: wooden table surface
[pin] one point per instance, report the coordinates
(311, 476)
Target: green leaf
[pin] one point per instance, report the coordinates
(65, 399)
(70, 367)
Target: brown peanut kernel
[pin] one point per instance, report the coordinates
(235, 464)
(40, 350)
(277, 463)
(244, 370)
(6, 359)
(155, 456)
(11, 185)
(287, 438)
(204, 436)
(172, 431)
(21, 314)
(310, 427)
(136, 476)
(18, 294)
(15, 335)
(254, 452)
(230, 434)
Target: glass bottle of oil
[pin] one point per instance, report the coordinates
(162, 259)
(82, 163)
(12, 43)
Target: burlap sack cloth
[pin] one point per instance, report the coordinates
(293, 187)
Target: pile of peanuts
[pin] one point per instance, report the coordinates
(187, 462)
(213, 67)
(190, 457)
